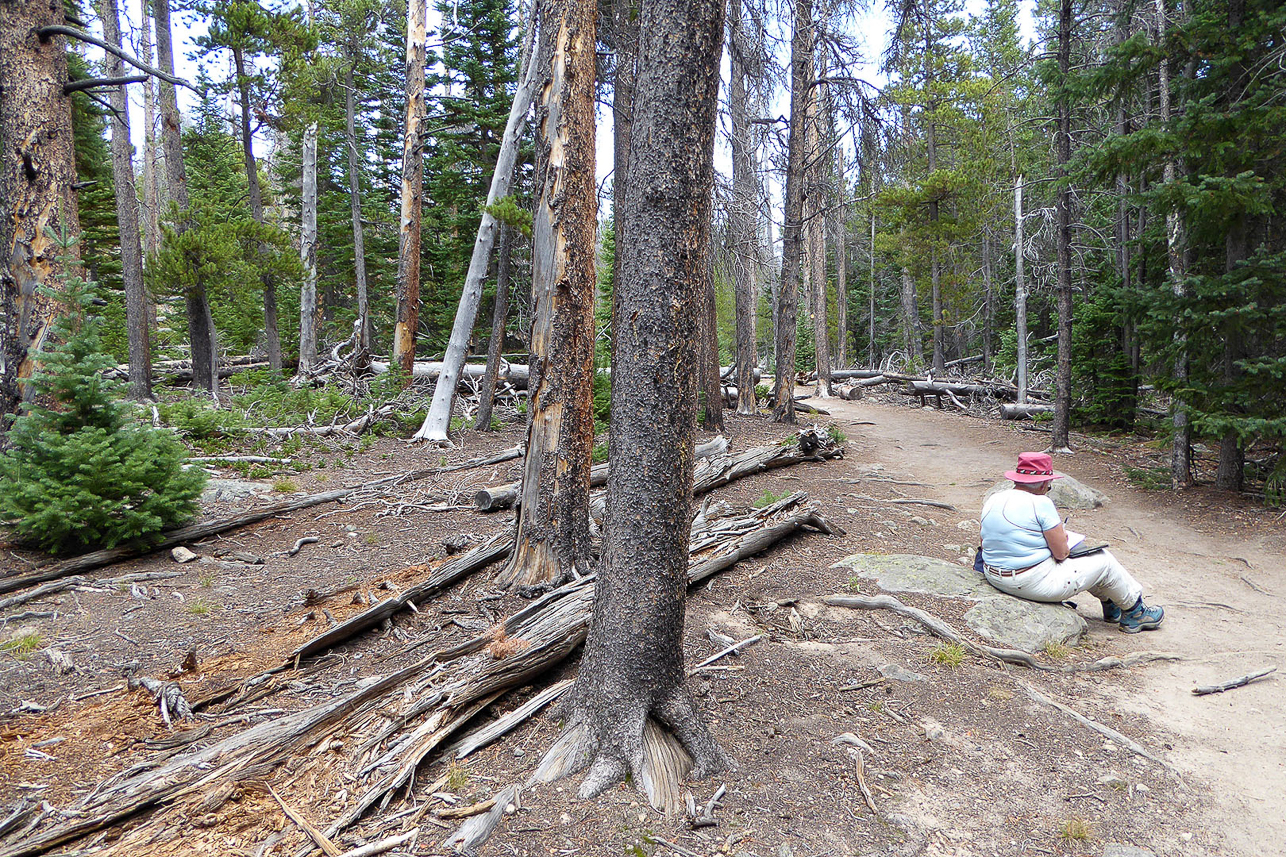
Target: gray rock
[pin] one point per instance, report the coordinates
(900, 572)
(232, 491)
(182, 554)
(1067, 493)
(1116, 849)
(1025, 625)
(1010, 622)
(893, 672)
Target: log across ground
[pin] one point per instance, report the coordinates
(817, 672)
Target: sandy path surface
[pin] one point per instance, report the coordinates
(1223, 588)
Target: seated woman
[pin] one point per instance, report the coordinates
(1025, 551)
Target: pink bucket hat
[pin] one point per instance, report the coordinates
(1033, 467)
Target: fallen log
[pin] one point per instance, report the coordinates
(846, 374)
(1015, 411)
(443, 691)
(497, 497)
(1240, 681)
(515, 374)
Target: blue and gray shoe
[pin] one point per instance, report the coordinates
(1111, 613)
(1140, 617)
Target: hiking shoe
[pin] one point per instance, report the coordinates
(1140, 617)
(1111, 613)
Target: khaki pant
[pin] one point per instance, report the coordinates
(1099, 574)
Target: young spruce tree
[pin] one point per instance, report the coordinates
(79, 473)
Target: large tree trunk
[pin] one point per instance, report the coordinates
(553, 519)
(1181, 450)
(201, 333)
(633, 664)
(408, 246)
(271, 334)
(815, 215)
(151, 179)
(355, 208)
(1063, 239)
(1020, 292)
(500, 313)
(744, 214)
(711, 381)
(839, 234)
(989, 302)
(309, 308)
(792, 238)
(912, 332)
(931, 142)
(37, 171)
(871, 355)
(438, 419)
(136, 322)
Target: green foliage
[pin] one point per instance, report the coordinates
(599, 453)
(1148, 479)
(507, 211)
(767, 498)
(836, 436)
(602, 402)
(22, 644)
(950, 655)
(80, 472)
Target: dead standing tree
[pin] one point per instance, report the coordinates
(408, 248)
(633, 664)
(553, 520)
(792, 238)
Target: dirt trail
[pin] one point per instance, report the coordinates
(1221, 580)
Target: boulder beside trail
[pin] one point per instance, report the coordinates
(1008, 621)
(1067, 493)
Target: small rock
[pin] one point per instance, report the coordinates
(61, 661)
(1111, 780)
(932, 729)
(1142, 789)
(182, 554)
(893, 672)
(564, 819)
(916, 519)
(519, 752)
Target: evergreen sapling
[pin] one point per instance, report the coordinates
(79, 472)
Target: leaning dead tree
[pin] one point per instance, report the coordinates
(399, 721)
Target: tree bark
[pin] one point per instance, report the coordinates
(625, 33)
(912, 332)
(499, 316)
(201, 332)
(1063, 237)
(1181, 450)
(1020, 291)
(355, 207)
(151, 179)
(989, 302)
(871, 320)
(553, 519)
(633, 663)
(814, 213)
(839, 234)
(309, 308)
(931, 142)
(792, 239)
(271, 334)
(140, 348)
(438, 419)
(744, 216)
(37, 171)
(408, 246)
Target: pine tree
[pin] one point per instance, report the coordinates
(80, 473)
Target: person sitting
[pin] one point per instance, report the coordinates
(1026, 552)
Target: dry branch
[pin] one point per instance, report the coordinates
(1128, 743)
(1240, 681)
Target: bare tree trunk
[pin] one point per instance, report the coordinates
(364, 336)
(140, 348)
(931, 141)
(912, 332)
(271, 334)
(438, 419)
(408, 247)
(711, 384)
(792, 239)
(744, 214)
(309, 308)
(487, 397)
(553, 520)
(201, 333)
(988, 306)
(1181, 451)
(1063, 240)
(814, 215)
(37, 171)
(871, 321)
(1020, 292)
(151, 180)
(839, 234)
(633, 664)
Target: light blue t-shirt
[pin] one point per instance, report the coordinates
(1013, 529)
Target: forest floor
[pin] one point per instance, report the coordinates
(964, 762)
